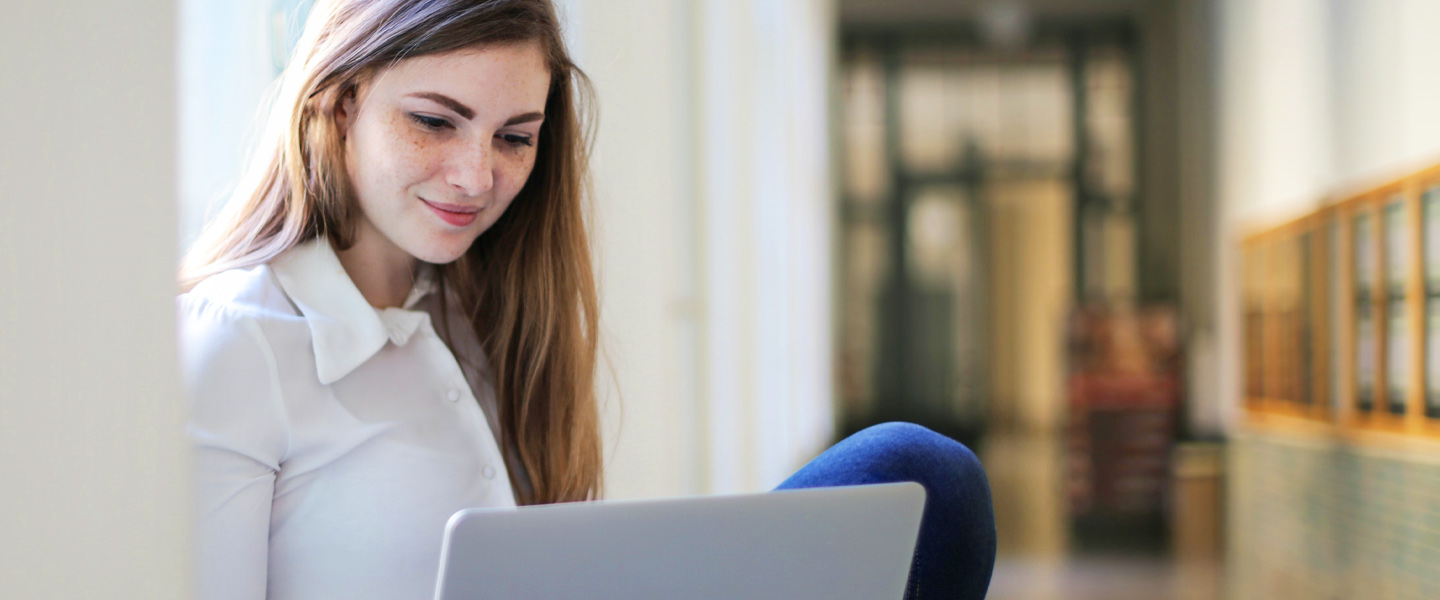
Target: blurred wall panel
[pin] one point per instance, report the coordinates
(639, 54)
(1199, 233)
(95, 495)
(1031, 281)
(765, 214)
(712, 229)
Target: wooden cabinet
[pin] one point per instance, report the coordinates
(1341, 311)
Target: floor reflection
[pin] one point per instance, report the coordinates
(1103, 578)
(1037, 559)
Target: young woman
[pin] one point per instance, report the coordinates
(395, 317)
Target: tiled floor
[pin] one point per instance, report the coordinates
(1108, 578)
(1036, 562)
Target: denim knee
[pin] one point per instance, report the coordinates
(907, 451)
(955, 552)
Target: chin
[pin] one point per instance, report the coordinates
(440, 253)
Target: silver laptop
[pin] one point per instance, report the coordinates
(838, 543)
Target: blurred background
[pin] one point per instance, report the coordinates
(1017, 222)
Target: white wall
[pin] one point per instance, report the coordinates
(1315, 97)
(638, 56)
(93, 474)
(713, 231)
(765, 208)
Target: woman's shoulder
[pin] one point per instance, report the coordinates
(229, 366)
(222, 315)
(249, 292)
(238, 316)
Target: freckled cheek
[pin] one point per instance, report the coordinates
(512, 175)
(408, 160)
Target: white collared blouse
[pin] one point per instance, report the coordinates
(332, 440)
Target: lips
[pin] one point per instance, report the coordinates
(454, 214)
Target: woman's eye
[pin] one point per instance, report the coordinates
(517, 140)
(428, 122)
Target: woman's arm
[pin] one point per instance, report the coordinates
(239, 435)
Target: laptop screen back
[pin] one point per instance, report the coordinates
(836, 543)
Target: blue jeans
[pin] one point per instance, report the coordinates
(955, 553)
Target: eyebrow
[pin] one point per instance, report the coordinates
(525, 118)
(447, 102)
(467, 113)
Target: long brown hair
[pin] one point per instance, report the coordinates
(526, 284)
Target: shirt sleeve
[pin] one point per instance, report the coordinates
(239, 435)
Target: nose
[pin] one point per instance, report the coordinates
(471, 170)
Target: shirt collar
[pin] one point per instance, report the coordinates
(344, 329)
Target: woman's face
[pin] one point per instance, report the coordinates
(439, 145)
